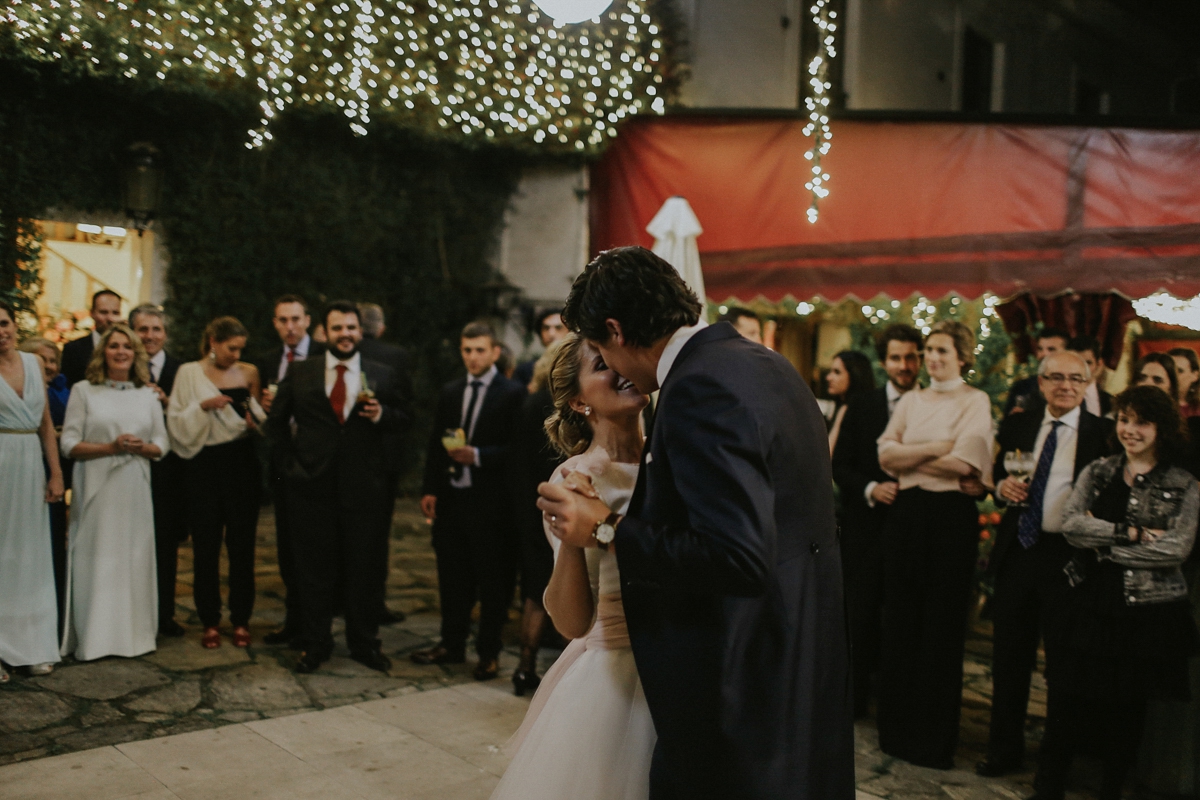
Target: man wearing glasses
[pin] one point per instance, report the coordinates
(1030, 551)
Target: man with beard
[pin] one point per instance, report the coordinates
(346, 413)
(867, 492)
(106, 309)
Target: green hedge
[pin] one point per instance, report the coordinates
(392, 217)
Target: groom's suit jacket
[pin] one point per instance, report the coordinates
(732, 583)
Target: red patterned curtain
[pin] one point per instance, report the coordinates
(1101, 316)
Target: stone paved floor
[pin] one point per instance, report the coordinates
(214, 701)
(182, 687)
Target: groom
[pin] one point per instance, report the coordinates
(730, 571)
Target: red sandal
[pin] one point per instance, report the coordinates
(211, 638)
(241, 636)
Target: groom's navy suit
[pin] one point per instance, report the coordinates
(732, 583)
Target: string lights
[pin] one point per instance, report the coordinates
(824, 18)
(481, 68)
(1169, 310)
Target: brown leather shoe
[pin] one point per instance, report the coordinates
(487, 669)
(438, 655)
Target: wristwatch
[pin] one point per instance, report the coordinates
(606, 530)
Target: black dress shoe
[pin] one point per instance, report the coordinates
(284, 635)
(994, 769)
(373, 659)
(308, 663)
(170, 628)
(525, 681)
(486, 669)
(438, 655)
(389, 617)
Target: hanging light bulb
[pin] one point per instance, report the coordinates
(571, 11)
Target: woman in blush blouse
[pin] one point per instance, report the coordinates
(113, 428)
(938, 444)
(212, 417)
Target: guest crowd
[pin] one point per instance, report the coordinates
(155, 451)
(1092, 558)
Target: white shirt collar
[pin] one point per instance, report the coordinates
(352, 364)
(95, 339)
(1070, 419)
(893, 394)
(301, 349)
(486, 378)
(156, 363)
(674, 346)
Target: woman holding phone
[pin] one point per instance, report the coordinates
(213, 414)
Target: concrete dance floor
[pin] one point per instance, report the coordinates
(185, 722)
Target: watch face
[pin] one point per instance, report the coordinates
(605, 533)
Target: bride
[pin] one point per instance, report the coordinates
(588, 732)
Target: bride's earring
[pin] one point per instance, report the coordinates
(587, 411)
(212, 356)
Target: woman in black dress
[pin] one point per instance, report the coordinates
(1124, 631)
(212, 417)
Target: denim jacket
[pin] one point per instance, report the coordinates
(1166, 499)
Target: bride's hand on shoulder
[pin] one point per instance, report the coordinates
(579, 482)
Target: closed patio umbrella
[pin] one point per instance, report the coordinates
(675, 229)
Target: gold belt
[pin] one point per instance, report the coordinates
(18, 431)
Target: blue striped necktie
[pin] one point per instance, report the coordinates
(1030, 524)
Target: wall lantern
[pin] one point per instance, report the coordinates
(142, 179)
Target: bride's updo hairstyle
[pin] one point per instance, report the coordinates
(567, 429)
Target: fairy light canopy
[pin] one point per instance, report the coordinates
(487, 69)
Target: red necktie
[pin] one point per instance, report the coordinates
(337, 397)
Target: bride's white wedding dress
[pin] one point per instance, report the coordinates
(588, 733)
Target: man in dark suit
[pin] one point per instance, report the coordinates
(466, 494)
(347, 413)
(550, 329)
(730, 572)
(1095, 400)
(1024, 393)
(292, 321)
(867, 493)
(168, 486)
(1030, 551)
(106, 309)
(396, 357)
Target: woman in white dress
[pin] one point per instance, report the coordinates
(588, 734)
(113, 428)
(28, 605)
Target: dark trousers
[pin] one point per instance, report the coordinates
(335, 537)
(285, 555)
(384, 560)
(168, 488)
(1121, 719)
(476, 560)
(226, 488)
(58, 543)
(930, 550)
(862, 567)
(1029, 584)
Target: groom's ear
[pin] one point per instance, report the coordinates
(615, 335)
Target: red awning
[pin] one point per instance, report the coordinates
(913, 207)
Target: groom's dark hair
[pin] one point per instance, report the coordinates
(636, 288)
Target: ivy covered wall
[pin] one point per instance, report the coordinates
(394, 217)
